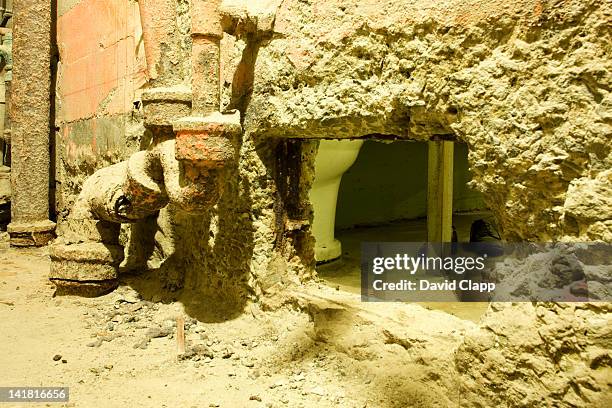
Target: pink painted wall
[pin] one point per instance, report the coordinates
(102, 61)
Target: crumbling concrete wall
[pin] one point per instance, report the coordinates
(255, 239)
(523, 83)
(533, 355)
(526, 84)
(511, 80)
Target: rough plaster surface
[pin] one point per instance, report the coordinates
(533, 355)
(526, 84)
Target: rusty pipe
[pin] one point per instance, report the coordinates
(206, 33)
(151, 53)
(204, 140)
(30, 114)
(86, 259)
(157, 18)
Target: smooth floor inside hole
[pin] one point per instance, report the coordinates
(345, 273)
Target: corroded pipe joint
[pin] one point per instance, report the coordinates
(86, 261)
(124, 192)
(191, 188)
(207, 141)
(143, 188)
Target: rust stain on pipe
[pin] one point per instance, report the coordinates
(157, 20)
(206, 31)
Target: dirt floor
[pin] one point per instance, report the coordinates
(120, 350)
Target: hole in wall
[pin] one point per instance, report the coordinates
(382, 196)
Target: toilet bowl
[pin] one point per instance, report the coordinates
(333, 159)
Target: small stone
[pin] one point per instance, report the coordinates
(95, 343)
(197, 352)
(134, 307)
(248, 363)
(57, 357)
(142, 344)
(255, 398)
(317, 391)
(64, 361)
(203, 351)
(579, 288)
(156, 332)
(277, 384)
(254, 374)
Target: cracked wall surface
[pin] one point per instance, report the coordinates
(537, 355)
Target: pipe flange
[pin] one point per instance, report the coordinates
(88, 269)
(28, 234)
(207, 141)
(162, 106)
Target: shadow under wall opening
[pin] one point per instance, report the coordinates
(382, 196)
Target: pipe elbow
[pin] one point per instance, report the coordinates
(194, 189)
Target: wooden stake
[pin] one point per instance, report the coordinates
(440, 191)
(180, 335)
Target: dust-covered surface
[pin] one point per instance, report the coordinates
(120, 350)
(571, 272)
(314, 347)
(538, 355)
(525, 83)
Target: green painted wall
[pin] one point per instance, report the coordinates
(389, 182)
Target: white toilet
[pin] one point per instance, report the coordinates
(333, 159)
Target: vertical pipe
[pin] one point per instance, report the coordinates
(30, 121)
(5, 80)
(206, 32)
(151, 51)
(440, 191)
(158, 21)
(2, 114)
